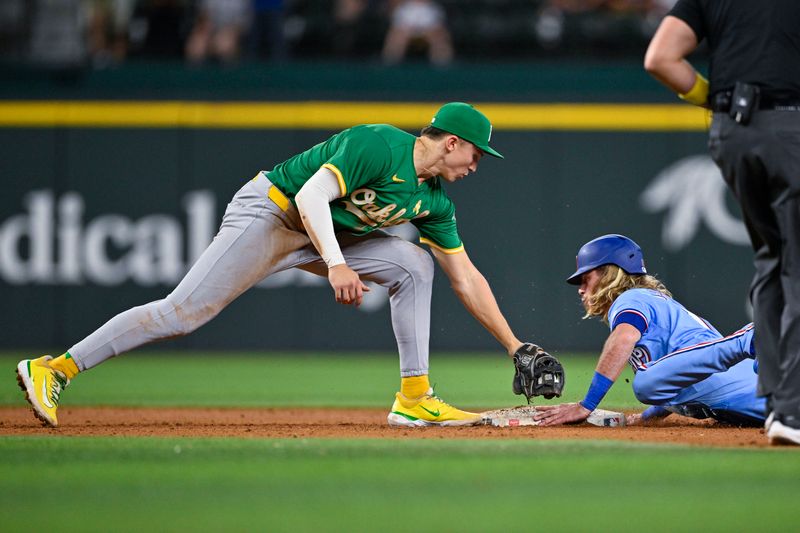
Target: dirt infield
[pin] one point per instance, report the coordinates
(344, 423)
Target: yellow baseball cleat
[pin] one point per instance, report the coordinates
(428, 410)
(42, 386)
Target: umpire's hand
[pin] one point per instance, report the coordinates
(347, 286)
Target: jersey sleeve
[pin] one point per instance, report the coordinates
(438, 228)
(631, 307)
(361, 157)
(691, 12)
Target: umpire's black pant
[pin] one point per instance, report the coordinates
(761, 164)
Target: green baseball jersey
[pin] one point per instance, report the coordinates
(374, 164)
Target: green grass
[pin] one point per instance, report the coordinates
(330, 379)
(215, 484)
(110, 484)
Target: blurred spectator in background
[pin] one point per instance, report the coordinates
(348, 18)
(266, 30)
(218, 31)
(158, 28)
(417, 23)
(73, 33)
(595, 24)
(14, 25)
(108, 30)
(556, 15)
(656, 11)
(57, 33)
(661, 7)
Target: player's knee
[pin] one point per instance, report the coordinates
(406, 265)
(646, 389)
(182, 319)
(423, 269)
(418, 265)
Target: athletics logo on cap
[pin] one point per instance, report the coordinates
(468, 123)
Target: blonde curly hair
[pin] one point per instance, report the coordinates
(613, 282)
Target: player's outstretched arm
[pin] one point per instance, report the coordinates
(617, 349)
(474, 292)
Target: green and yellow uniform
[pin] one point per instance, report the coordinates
(263, 234)
(374, 165)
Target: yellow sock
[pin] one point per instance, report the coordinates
(414, 386)
(64, 363)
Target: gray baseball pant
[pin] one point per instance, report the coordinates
(258, 238)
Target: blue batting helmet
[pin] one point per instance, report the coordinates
(609, 249)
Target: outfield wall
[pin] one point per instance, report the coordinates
(106, 204)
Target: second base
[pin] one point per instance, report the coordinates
(604, 418)
(510, 417)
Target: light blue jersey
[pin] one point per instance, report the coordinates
(683, 363)
(666, 326)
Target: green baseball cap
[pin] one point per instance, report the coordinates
(468, 123)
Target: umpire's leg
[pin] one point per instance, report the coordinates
(786, 396)
(738, 151)
(778, 150)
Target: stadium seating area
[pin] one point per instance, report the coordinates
(104, 33)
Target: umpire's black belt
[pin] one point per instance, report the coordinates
(721, 102)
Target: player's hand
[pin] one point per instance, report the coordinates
(633, 419)
(565, 413)
(347, 286)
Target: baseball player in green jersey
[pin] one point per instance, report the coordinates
(322, 211)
